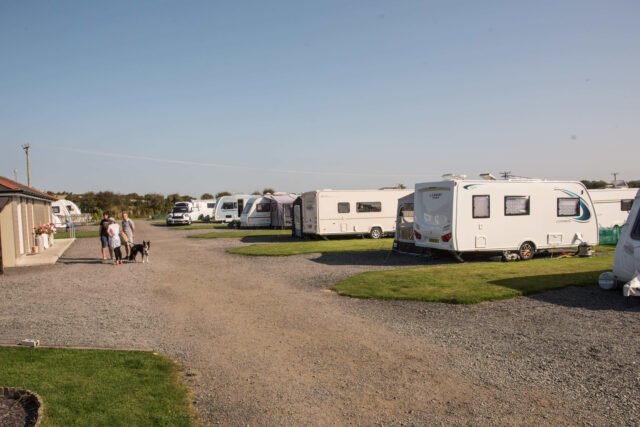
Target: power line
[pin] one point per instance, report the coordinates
(228, 166)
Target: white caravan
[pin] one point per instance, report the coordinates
(626, 264)
(342, 212)
(526, 216)
(205, 208)
(612, 205)
(65, 211)
(256, 213)
(229, 208)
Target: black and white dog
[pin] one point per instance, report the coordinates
(140, 248)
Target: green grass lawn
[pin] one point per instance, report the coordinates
(100, 387)
(240, 233)
(308, 247)
(471, 283)
(79, 234)
(198, 227)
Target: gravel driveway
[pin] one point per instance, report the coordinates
(264, 342)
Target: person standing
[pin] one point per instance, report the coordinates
(128, 228)
(114, 240)
(104, 236)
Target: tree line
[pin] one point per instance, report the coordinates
(138, 206)
(593, 185)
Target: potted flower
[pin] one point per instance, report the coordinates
(50, 230)
(38, 232)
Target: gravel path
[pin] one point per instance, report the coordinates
(264, 342)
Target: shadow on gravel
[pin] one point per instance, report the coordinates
(374, 258)
(590, 298)
(268, 239)
(79, 261)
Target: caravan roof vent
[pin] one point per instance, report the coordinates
(453, 176)
(488, 177)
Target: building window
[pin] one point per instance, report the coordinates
(625, 205)
(368, 207)
(516, 205)
(481, 208)
(568, 206)
(344, 207)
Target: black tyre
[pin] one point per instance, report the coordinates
(526, 251)
(375, 233)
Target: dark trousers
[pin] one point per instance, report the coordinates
(118, 253)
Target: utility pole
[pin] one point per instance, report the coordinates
(615, 176)
(26, 150)
(506, 174)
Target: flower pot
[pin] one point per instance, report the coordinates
(38, 241)
(34, 249)
(50, 240)
(45, 241)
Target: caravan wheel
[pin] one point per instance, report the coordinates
(526, 251)
(376, 233)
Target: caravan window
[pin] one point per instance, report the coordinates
(481, 207)
(229, 205)
(406, 213)
(568, 206)
(211, 205)
(516, 205)
(263, 207)
(625, 205)
(344, 207)
(55, 209)
(247, 207)
(369, 207)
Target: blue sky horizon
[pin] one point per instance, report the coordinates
(195, 97)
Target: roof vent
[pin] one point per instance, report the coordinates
(452, 176)
(488, 177)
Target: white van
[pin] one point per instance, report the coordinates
(229, 208)
(526, 216)
(356, 212)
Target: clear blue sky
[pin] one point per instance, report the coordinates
(406, 89)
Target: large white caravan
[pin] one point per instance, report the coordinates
(612, 205)
(229, 208)
(626, 264)
(359, 212)
(460, 215)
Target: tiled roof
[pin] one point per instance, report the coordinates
(10, 186)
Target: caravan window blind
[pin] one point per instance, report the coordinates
(625, 205)
(568, 206)
(369, 207)
(516, 205)
(263, 207)
(344, 207)
(481, 208)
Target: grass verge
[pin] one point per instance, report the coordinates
(240, 233)
(297, 248)
(100, 387)
(471, 283)
(79, 234)
(198, 227)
